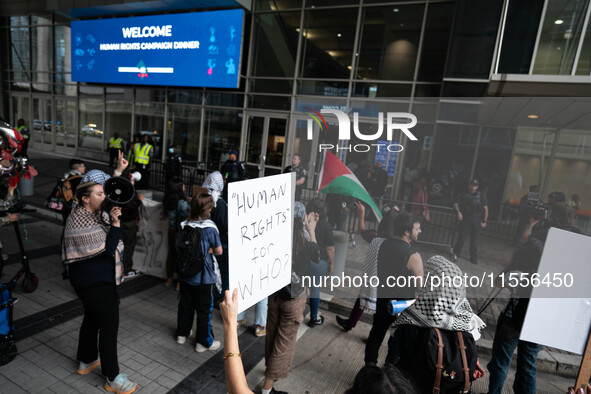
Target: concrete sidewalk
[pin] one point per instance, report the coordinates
(48, 320)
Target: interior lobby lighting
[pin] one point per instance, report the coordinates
(339, 35)
(395, 10)
(533, 116)
(558, 22)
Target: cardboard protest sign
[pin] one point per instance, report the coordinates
(561, 322)
(151, 249)
(260, 225)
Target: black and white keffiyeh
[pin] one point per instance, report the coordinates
(444, 306)
(214, 183)
(369, 294)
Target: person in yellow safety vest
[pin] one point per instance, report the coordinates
(131, 151)
(26, 133)
(115, 145)
(142, 158)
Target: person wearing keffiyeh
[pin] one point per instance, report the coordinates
(93, 253)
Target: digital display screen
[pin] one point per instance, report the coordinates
(193, 49)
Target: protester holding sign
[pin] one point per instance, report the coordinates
(196, 290)
(286, 306)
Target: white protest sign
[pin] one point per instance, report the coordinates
(260, 223)
(562, 323)
(151, 250)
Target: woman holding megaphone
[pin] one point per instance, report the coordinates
(92, 251)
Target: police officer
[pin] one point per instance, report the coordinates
(232, 170)
(26, 133)
(142, 158)
(472, 211)
(115, 145)
(301, 174)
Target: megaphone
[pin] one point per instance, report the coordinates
(135, 176)
(118, 190)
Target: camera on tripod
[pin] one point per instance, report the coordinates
(536, 207)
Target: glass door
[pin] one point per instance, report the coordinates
(265, 144)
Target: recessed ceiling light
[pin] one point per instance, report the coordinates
(339, 35)
(395, 10)
(558, 22)
(533, 116)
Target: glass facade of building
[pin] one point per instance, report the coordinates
(362, 57)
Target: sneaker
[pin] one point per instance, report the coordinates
(344, 323)
(316, 322)
(215, 345)
(120, 385)
(132, 274)
(260, 331)
(181, 340)
(85, 368)
(241, 322)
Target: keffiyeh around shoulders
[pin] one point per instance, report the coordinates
(85, 237)
(443, 307)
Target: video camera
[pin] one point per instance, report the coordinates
(537, 209)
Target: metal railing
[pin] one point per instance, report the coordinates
(192, 174)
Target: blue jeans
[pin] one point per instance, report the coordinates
(317, 271)
(260, 313)
(505, 342)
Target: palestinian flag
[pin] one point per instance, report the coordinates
(335, 177)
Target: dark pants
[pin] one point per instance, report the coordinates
(223, 264)
(470, 224)
(355, 314)
(504, 344)
(101, 319)
(129, 239)
(25, 147)
(113, 156)
(144, 183)
(196, 299)
(382, 320)
(171, 253)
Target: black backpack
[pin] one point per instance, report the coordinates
(190, 259)
(434, 357)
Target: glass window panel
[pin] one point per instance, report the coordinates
(275, 143)
(118, 120)
(62, 49)
(65, 112)
(327, 3)
(560, 37)
(147, 94)
(221, 133)
(372, 108)
(474, 38)
(324, 88)
(519, 36)
(389, 42)
(435, 41)
(275, 44)
(91, 124)
(276, 5)
(224, 99)
(269, 102)
(41, 48)
(184, 123)
(459, 112)
(464, 89)
(327, 45)
(184, 96)
(453, 153)
(584, 65)
(427, 90)
(19, 47)
(271, 86)
(369, 89)
(149, 120)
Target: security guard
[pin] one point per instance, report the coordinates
(301, 174)
(115, 145)
(232, 170)
(26, 133)
(142, 158)
(472, 211)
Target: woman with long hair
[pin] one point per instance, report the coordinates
(92, 251)
(175, 207)
(196, 292)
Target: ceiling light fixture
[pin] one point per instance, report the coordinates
(395, 10)
(558, 22)
(339, 35)
(533, 116)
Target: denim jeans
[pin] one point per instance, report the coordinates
(505, 342)
(260, 313)
(317, 271)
